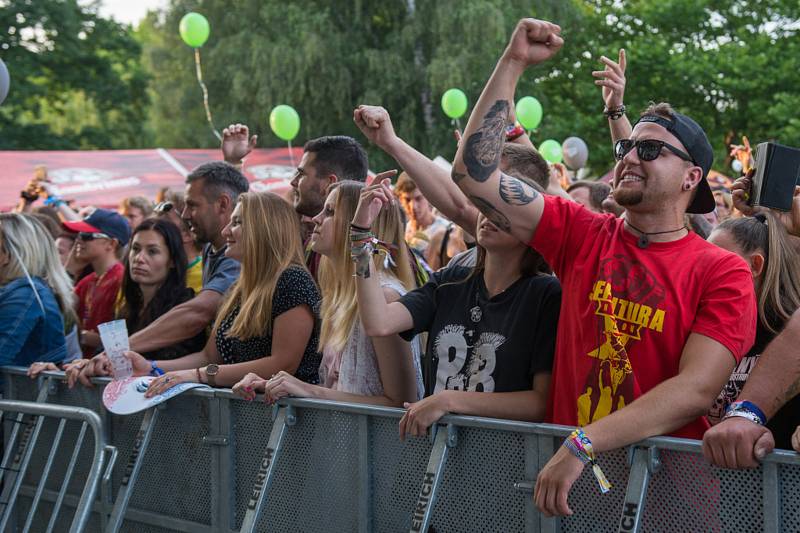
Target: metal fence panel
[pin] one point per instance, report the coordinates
(342, 468)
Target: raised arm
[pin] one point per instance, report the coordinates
(433, 181)
(612, 80)
(379, 317)
(508, 202)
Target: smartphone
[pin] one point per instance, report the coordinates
(777, 172)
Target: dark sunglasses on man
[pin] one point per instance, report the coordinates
(647, 149)
(88, 236)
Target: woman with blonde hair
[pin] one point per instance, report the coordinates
(355, 367)
(267, 322)
(35, 294)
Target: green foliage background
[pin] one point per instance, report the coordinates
(732, 65)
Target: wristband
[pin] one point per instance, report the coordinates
(614, 113)
(748, 410)
(155, 370)
(580, 445)
(359, 228)
(514, 131)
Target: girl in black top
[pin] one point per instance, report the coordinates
(490, 329)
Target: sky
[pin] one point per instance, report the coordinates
(129, 11)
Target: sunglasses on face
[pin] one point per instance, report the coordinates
(164, 207)
(647, 149)
(88, 236)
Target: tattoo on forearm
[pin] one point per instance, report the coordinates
(457, 176)
(514, 191)
(493, 214)
(485, 146)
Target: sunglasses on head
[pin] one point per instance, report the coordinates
(89, 236)
(164, 207)
(647, 149)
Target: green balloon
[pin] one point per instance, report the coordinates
(551, 151)
(194, 29)
(454, 103)
(285, 122)
(529, 112)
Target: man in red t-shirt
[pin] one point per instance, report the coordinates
(100, 237)
(652, 317)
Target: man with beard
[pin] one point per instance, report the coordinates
(653, 317)
(325, 161)
(212, 190)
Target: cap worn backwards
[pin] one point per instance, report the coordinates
(694, 139)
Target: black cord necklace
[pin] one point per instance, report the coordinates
(644, 237)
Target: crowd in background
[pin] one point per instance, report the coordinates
(434, 291)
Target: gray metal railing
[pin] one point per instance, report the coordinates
(21, 446)
(206, 461)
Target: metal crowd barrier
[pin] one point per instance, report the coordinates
(206, 461)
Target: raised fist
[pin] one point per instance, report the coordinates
(533, 42)
(375, 123)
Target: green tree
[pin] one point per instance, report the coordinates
(76, 78)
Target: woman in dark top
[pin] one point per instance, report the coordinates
(268, 320)
(154, 283)
(491, 329)
(763, 242)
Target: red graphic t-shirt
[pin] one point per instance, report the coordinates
(96, 298)
(627, 312)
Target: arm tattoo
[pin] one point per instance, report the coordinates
(514, 191)
(457, 176)
(484, 147)
(493, 214)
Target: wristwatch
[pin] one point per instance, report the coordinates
(211, 374)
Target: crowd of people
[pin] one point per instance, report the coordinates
(627, 309)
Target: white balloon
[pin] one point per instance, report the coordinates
(575, 152)
(5, 80)
(736, 165)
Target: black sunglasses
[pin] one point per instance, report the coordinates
(89, 236)
(164, 207)
(647, 149)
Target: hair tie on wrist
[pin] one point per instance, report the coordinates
(359, 228)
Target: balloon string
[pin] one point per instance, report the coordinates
(205, 92)
(291, 155)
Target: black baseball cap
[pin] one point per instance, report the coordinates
(694, 139)
(103, 221)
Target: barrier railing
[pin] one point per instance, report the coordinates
(206, 461)
(20, 446)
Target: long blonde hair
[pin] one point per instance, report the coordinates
(271, 243)
(32, 252)
(339, 304)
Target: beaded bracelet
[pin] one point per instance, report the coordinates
(580, 445)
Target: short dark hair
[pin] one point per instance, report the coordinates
(527, 164)
(598, 191)
(340, 155)
(220, 177)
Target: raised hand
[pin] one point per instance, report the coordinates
(533, 42)
(612, 80)
(237, 143)
(373, 198)
(376, 125)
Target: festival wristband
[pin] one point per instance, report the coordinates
(580, 445)
(155, 370)
(514, 131)
(748, 410)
